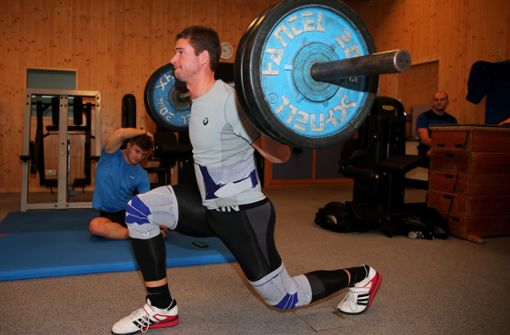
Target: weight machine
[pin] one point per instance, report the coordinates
(59, 104)
(376, 159)
(377, 162)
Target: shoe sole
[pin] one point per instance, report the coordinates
(165, 324)
(378, 280)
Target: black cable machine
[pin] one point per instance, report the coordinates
(376, 160)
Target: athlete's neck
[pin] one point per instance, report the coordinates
(201, 86)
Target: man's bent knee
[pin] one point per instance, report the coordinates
(281, 291)
(146, 212)
(96, 226)
(104, 227)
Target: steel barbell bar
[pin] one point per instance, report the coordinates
(394, 61)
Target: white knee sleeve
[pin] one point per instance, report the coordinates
(146, 212)
(283, 292)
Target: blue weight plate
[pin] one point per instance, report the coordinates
(241, 70)
(242, 47)
(283, 97)
(166, 99)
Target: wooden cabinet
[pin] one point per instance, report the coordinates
(468, 179)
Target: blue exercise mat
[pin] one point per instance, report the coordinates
(39, 244)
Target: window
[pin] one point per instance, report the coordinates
(51, 79)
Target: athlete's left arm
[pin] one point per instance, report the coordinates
(272, 150)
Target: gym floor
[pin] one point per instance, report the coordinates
(429, 287)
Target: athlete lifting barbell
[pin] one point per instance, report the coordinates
(306, 77)
(230, 204)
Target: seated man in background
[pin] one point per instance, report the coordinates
(119, 176)
(434, 117)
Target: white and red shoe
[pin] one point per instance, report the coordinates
(361, 295)
(147, 317)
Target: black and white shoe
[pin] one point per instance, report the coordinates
(147, 317)
(361, 295)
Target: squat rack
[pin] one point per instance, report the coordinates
(63, 129)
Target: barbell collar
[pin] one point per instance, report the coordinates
(373, 64)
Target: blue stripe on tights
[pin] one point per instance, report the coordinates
(289, 301)
(137, 212)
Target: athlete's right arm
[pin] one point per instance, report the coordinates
(116, 139)
(272, 150)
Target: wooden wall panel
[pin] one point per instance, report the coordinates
(115, 45)
(418, 84)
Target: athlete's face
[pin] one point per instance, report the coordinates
(185, 62)
(134, 154)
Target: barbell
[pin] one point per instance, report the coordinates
(306, 73)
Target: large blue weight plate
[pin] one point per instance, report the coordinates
(242, 70)
(240, 60)
(166, 99)
(283, 98)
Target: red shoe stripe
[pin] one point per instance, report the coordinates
(170, 322)
(378, 280)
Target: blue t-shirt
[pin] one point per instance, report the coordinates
(117, 181)
(428, 119)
